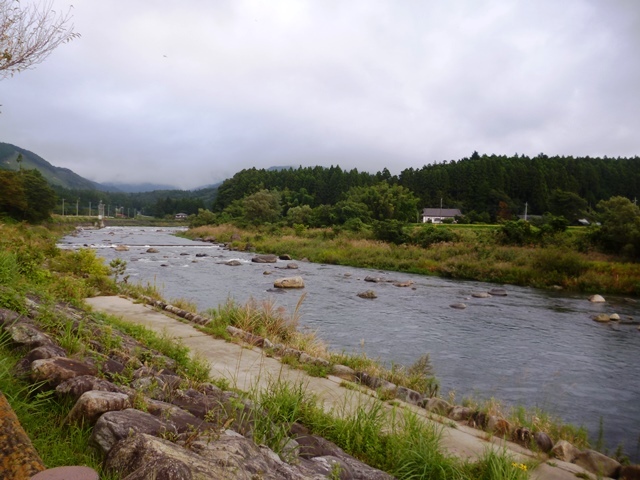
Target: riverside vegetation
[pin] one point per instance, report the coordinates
(512, 253)
(32, 267)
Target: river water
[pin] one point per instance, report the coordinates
(534, 348)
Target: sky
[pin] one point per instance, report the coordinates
(189, 92)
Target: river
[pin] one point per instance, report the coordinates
(534, 348)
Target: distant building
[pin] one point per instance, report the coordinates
(437, 215)
(181, 216)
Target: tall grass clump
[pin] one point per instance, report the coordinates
(283, 405)
(497, 465)
(418, 452)
(266, 319)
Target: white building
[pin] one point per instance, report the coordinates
(437, 215)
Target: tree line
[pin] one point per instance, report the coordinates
(484, 187)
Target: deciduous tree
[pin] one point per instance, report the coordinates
(29, 33)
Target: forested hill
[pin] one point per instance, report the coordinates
(63, 177)
(478, 183)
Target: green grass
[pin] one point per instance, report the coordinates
(42, 416)
(395, 440)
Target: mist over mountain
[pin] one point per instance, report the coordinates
(137, 187)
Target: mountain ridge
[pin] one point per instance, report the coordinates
(58, 176)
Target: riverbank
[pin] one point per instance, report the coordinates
(473, 254)
(71, 274)
(96, 344)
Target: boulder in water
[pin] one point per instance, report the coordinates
(498, 292)
(597, 299)
(265, 259)
(459, 306)
(368, 294)
(480, 295)
(289, 282)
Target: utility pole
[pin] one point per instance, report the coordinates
(63, 207)
(526, 205)
(89, 208)
(108, 210)
(77, 202)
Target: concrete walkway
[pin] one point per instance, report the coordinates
(249, 368)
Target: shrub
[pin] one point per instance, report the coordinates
(517, 233)
(204, 217)
(559, 261)
(391, 231)
(429, 235)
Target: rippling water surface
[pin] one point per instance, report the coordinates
(531, 348)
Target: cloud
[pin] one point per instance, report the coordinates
(191, 92)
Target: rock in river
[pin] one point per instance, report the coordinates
(289, 282)
(368, 294)
(265, 259)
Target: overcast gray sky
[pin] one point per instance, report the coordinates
(189, 92)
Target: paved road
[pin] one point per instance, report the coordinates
(248, 368)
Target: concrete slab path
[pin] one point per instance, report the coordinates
(248, 368)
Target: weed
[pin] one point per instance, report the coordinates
(498, 465)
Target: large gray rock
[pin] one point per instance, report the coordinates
(46, 351)
(143, 457)
(28, 335)
(76, 386)
(94, 403)
(289, 282)
(597, 463)
(460, 413)
(597, 299)
(182, 420)
(113, 427)
(58, 369)
(265, 259)
(8, 317)
(410, 396)
(565, 451)
(325, 454)
(199, 403)
(438, 405)
(375, 383)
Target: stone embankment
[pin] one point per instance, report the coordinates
(149, 422)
